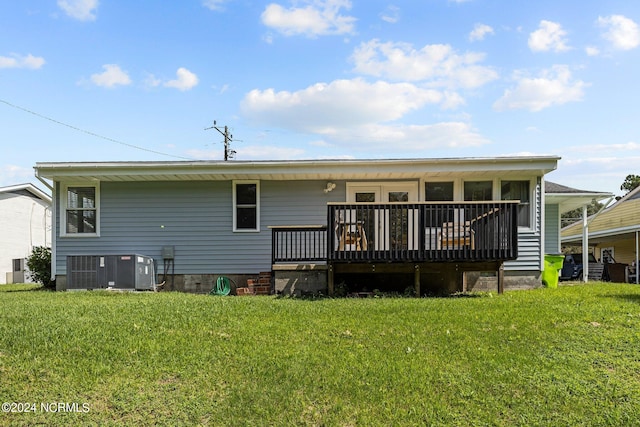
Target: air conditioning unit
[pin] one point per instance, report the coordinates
(132, 271)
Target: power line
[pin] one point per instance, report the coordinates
(106, 138)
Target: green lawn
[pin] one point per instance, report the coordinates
(568, 356)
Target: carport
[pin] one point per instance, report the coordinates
(568, 199)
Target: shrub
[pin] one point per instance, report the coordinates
(39, 263)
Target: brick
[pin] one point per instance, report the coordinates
(262, 290)
(244, 291)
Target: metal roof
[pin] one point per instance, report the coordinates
(568, 198)
(297, 169)
(35, 191)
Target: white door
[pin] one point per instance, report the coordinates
(394, 227)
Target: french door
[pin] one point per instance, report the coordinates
(390, 227)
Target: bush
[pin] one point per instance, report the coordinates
(39, 263)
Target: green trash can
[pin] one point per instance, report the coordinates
(552, 267)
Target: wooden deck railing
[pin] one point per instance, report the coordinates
(305, 243)
(404, 232)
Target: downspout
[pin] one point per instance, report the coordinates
(53, 223)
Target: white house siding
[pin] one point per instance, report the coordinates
(25, 222)
(196, 218)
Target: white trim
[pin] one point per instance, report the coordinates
(603, 233)
(234, 205)
(424, 181)
(493, 182)
(62, 212)
(346, 169)
(27, 187)
(381, 187)
(533, 204)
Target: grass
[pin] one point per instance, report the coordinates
(566, 356)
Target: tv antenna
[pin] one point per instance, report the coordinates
(228, 152)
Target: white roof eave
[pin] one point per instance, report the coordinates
(300, 169)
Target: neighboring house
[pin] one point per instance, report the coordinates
(25, 222)
(614, 233)
(433, 225)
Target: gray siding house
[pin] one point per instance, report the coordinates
(448, 224)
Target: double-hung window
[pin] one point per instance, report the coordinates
(80, 210)
(246, 206)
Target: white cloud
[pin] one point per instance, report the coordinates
(13, 174)
(549, 36)
(152, 81)
(321, 143)
(479, 32)
(216, 5)
(341, 103)
(185, 80)
(20, 61)
(250, 152)
(600, 173)
(436, 64)
(404, 138)
(592, 51)
(391, 15)
(82, 10)
(622, 32)
(315, 18)
(269, 152)
(626, 147)
(360, 114)
(554, 86)
(111, 77)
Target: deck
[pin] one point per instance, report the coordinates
(403, 233)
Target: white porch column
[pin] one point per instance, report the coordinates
(637, 235)
(585, 245)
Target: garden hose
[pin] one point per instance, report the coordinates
(222, 286)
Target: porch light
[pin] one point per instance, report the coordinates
(330, 186)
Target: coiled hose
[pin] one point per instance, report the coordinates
(222, 286)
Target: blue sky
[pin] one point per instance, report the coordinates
(101, 80)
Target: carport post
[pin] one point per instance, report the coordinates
(585, 245)
(637, 257)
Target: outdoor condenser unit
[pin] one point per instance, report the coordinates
(134, 272)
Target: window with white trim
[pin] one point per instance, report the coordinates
(518, 190)
(246, 206)
(80, 213)
(475, 191)
(438, 191)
